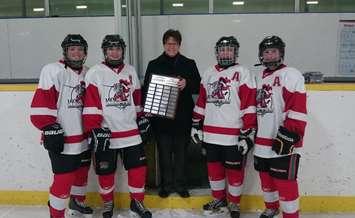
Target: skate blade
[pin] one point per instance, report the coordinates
(133, 214)
(213, 213)
(76, 214)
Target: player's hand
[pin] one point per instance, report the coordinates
(285, 141)
(196, 132)
(246, 140)
(100, 139)
(53, 138)
(181, 83)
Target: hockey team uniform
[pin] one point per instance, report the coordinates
(58, 99)
(113, 101)
(226, 105)
(281, 105)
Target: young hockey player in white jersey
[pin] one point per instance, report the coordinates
(226, 114)
(281, 115)
(113, 118)
(56, 110)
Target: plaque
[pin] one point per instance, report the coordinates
(162, 96)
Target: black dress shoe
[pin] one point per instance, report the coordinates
(183, 193)
(164, 193)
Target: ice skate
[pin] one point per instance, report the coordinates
(215, 207)
(137, 209)
(79, 209)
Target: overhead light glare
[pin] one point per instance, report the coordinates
(38, 9)
(312, 2)
(79, 7)
(178, 4)
(124, 6)
(238, 3)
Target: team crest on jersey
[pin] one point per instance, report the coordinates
(219, 92)
(76, 95)
(119, 94)
(264, 100)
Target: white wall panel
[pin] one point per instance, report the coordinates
(311, 39)
(5, 68)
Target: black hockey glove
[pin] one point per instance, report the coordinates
(100, 139)
(196, 132)
(53, 138)
(144, 127)
(284, 141)
(246, 140)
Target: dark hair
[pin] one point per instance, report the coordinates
(172, 33)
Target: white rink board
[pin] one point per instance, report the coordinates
(325, 165)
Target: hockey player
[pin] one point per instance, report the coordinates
(56, 110)
(281, 115)
(112, 112)
(226, 114)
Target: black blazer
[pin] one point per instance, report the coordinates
(177, 66)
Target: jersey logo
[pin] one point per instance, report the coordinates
(264, 100)
(75, 99)
(219, 92)
(119, 94)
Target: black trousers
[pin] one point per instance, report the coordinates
(172, 157)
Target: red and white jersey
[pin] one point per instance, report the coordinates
(281, 101)
(113, 100)
(58, 99)
(226, 104)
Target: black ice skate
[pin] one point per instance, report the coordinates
(269, 213)
(215, 207)
(234, 210)
(138, 209)
(79, 209)
(107, 212)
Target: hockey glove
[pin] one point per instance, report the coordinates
(285, 141)
(196, 132)
(100, 139)
(53, 138)
(144, 127)
(246, 140)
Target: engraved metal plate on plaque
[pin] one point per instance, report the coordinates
(162, 95)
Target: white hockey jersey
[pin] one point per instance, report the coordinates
(281, 101)
(226, 104)
(58, 99)
(113, 100)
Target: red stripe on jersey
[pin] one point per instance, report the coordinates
(249, 121)
(197, 116)
(221, 130)
(263, 141)
(92, 97)
(295, 101)
(124, 134)
(44, 99)
(247, 98)
(137, 97)
(74, 138)
(91, 121)
(202, 97)
(41, 121)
